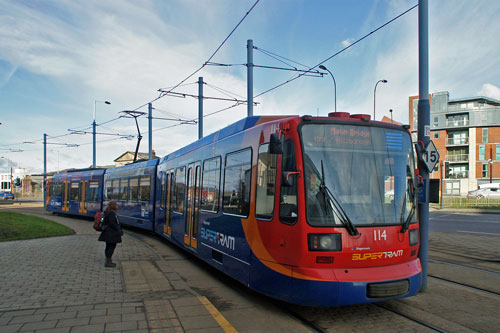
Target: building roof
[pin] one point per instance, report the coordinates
(484, 99)
(140, 156)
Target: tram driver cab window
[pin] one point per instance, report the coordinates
(288, 191)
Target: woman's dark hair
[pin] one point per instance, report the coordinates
(112, 205)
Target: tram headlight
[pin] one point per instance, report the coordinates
(325, 242)
(413, 237)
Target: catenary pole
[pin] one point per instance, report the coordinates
(200, 107)
(44, 186)
(423, 132)
(150, 126)
(250, 78)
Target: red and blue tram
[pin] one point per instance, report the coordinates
(316, 211)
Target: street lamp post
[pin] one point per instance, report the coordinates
(390, 110)
(334, 85)
(374, 93)
(94, 134)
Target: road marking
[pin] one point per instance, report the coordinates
(223, 323)
(475, 232)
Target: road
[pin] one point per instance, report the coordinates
(468, 223)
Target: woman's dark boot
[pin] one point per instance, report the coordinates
(109, 263)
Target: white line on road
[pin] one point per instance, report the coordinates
(475, 232)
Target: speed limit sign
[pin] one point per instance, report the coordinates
(430, 156)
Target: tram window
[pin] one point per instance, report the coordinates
(123, 189)
(108, 190)
(75, 191)
(288, 194)
(238, 170)
(115, 184)
(211, 185)
(266, 183)
(163, 182)
(93, 191)
(144, 188)
(180, 189)
(134, 189)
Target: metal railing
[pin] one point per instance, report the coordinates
(461, 202)
(457, 141)
(457, 158)
(458, 122)
(458, 174)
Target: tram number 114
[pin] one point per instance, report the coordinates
(379, 234)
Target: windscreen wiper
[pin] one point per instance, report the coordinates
(340, 212)
(408, 219)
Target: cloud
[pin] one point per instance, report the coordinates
(490, 90)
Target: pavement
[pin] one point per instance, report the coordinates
(60, 284)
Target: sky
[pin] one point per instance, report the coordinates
(60, 60)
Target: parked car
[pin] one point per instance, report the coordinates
(491, 193)
(7, 195)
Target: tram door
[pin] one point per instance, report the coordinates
(169, 186)
(65, 199)
(192, 205)
(84, 186)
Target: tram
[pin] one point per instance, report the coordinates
(317, 211)
(75, 192)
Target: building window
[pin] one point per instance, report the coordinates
(485, 170)
(436, 121)
(498, 152)
(485, 135)
(436, 135)
(482, 156)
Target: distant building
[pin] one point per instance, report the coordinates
(15, 177)
(128, 157)
(466, 133)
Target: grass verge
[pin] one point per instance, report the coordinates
(15, 226)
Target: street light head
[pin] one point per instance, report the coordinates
(107, 102)
(322, 67)
(384, 81)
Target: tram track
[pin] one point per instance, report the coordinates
(413, 319)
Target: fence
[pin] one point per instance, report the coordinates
(449, 202)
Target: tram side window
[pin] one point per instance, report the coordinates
(144, 188)
(94, 192)
(58, 189)
(163, 182)
(238, 170)
(288, 192)
(123, 189)
(211, 185)
(266, 183)
(180, 189)
(115, 184)
(75, 189)
(108, 190)
(134, 189)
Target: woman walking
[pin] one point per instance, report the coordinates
(112, 233)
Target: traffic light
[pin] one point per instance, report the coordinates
(17, 182)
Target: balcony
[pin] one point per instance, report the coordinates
(457, 122)
(458, 158)
(458, 174)
(457, 141)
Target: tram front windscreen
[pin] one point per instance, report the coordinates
(363, 173)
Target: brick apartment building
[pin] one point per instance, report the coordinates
(466, 132)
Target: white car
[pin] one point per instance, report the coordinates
(491, 193)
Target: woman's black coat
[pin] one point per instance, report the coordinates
(113, 231)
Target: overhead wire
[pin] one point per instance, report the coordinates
(337, 53)
(206, 62)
